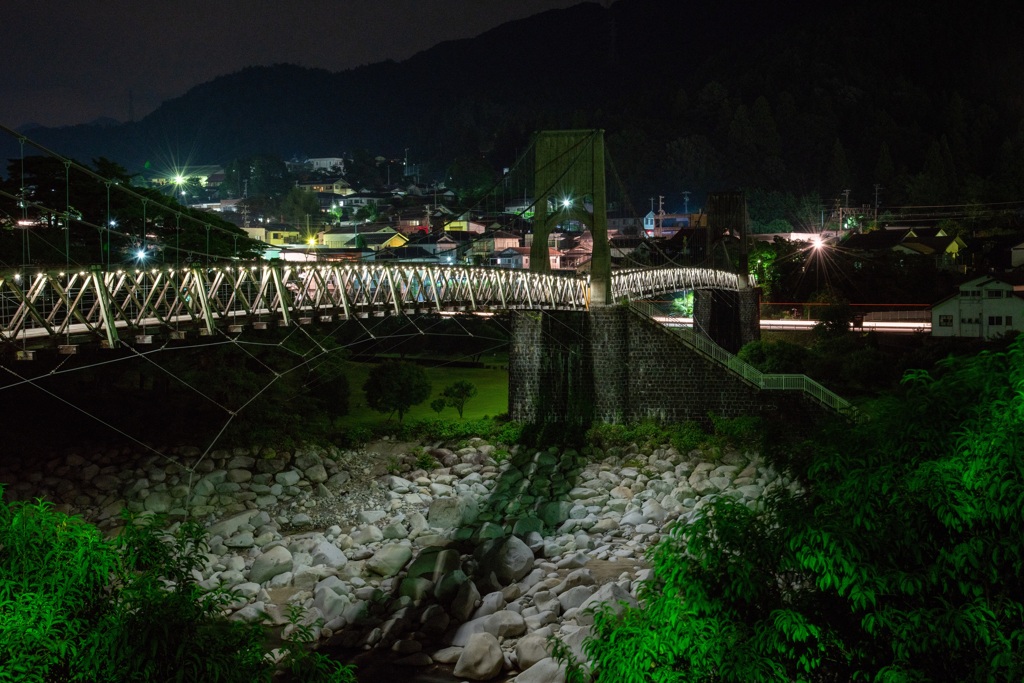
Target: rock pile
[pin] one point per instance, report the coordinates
(475, 562)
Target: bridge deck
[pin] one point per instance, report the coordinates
(47, 306)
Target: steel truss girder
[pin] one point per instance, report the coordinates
(98, 304)
(647, 282)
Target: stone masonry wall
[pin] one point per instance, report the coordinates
(551, 377)
(609, 340)
(614, 366)
(671, 382)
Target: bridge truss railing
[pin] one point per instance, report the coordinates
(750, 374)
(647, 282)
(94, 303)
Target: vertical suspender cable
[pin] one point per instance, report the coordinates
(67, 244)
(107, 231)
(177, 257)
(26, 248)
(142, 254)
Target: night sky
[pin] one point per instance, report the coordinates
(64, 62)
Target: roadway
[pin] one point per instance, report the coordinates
(893, 326)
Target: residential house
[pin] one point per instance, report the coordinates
(503, 239)
(408, 254)
(439, 244)
(622, 224)
(374, 240)
(472, 247)
(578, 256)
(464, 225)
(331, 186)
(345, 255)
(556, 239)
(1017, 255)
(875, 240)
(280, 235)
(519, 258)
(985, 307)
(386, 238)
(624, 245)
(479, 248)
(945, 251)
(665, 224)
(411, 221)
(358, 200)
(510, 257)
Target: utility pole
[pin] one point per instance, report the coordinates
(877, 188)
(245, 202)
(686, 202)
(846, 206)
(660, 216)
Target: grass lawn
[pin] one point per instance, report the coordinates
(491, 394)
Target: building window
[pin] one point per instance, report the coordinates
(995, 294)
(945, 321)
(995, 320)
(1009, 321)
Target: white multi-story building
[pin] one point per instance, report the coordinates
(327, 164)
(985, 307)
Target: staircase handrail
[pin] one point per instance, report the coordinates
(750, 374)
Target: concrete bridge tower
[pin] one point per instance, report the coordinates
(567, 369)
(569, 184)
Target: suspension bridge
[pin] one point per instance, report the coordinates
(97, 215)
(132, 305)
(611, 361)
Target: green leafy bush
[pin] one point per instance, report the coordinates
(687, 436)
(645, 434)
(425, 461)
(775, 357)
(77, 607)
(741, 432)
(896, 560)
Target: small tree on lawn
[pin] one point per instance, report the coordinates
(395, 386)
(457, 393)
(438, 404)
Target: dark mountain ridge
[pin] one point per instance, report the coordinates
(787, 96)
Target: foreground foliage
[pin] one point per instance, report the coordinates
(77, 607)
(898, 558)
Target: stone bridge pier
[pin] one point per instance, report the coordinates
(613, 365)
(730, 318)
